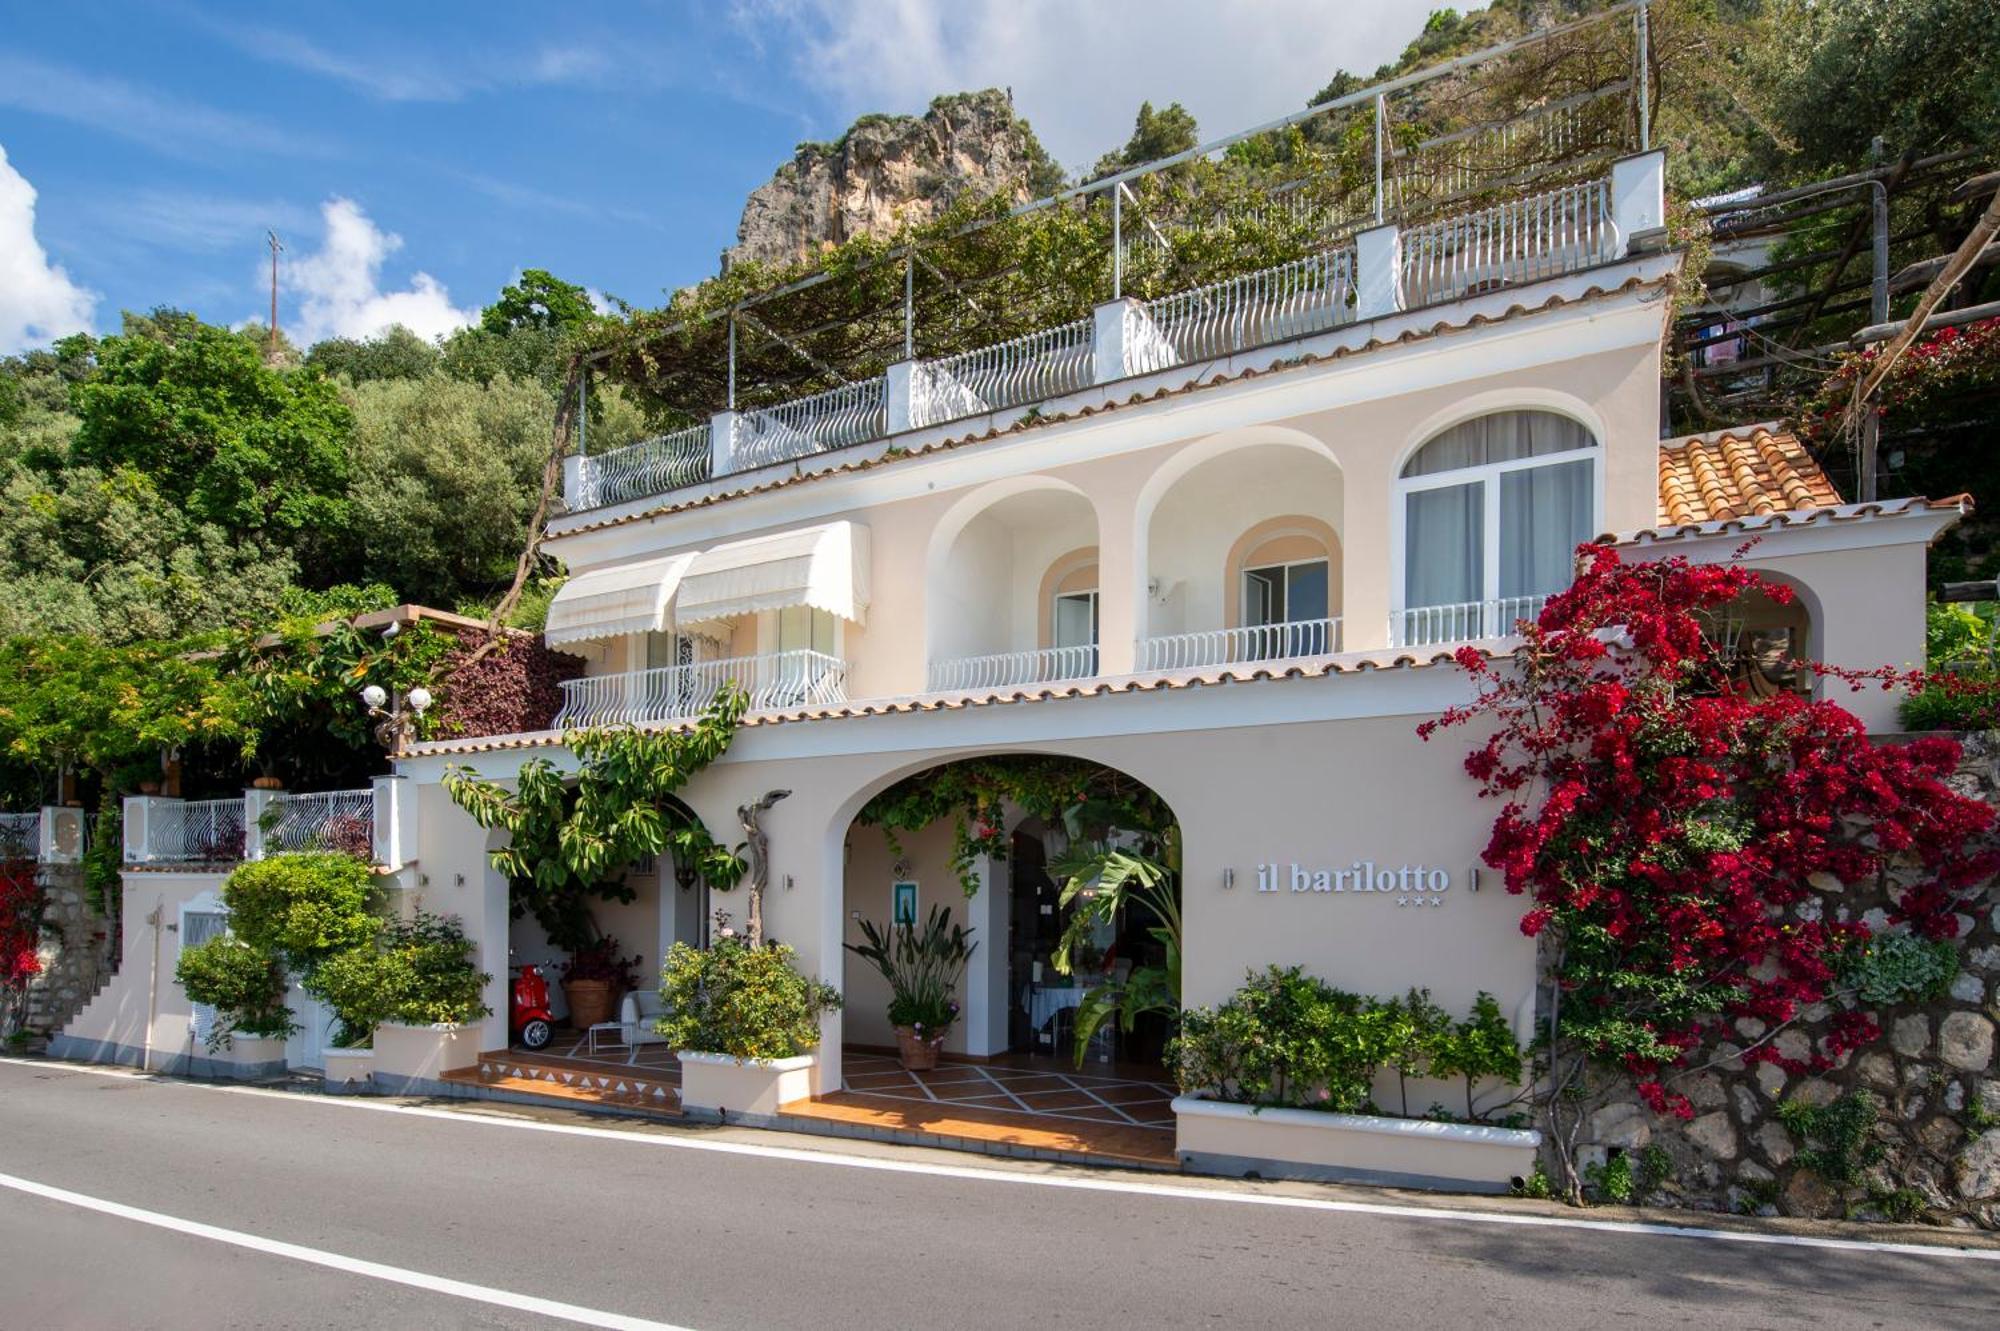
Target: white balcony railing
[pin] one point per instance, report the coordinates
(1033, 368)
(1010, 669)
(850, 414)
(194, 832)
(680, 693)
(651, 466)
(337, 820)
(1524, 240)
(1241, 646)
(1276, 304)
(20, 835)
(1467, 621)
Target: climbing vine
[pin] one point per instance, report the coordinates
(571, 837)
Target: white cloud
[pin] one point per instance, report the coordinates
(339, 288)
(38, 302)
(1080, 68)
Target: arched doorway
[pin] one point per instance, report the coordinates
(1067, 873)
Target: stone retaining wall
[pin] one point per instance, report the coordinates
(1935, 1071)
(75, 950)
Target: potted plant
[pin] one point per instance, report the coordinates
(923, 968)
(413, 994)
(593, 980)
(744, 1023)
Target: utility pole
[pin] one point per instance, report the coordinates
(271, 341)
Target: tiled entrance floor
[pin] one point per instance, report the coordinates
(1048, 1091)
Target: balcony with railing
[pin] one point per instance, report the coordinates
(773, 681)
(1004, 670)
(1170, 263)
(20, 835)
(171, 831)
(1256, 644)
(1467, 621)
(334, 820)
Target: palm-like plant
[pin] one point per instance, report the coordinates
(1100, 880)
(923, 968)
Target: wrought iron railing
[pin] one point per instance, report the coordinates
(1241, 646)
(1466, 621)
(20, 835)
(679, 693)
(1523, 240)
(195, 831)
(1032, 368)
(651, 466)
(1010, 669)
(850, 414)
(1276, 304)
(337, 820)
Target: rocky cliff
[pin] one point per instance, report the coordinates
(890, 170)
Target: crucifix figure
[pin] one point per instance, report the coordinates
(759, 843)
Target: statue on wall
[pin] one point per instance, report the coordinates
(758, 842)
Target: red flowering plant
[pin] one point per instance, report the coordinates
(20, 939)
(1673, 835)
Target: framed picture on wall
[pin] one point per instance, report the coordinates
(905, 904)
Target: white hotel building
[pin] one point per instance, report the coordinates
(1229, 558)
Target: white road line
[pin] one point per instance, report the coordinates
(458, 1289)
(1221, 1193)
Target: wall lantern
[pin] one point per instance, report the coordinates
(397, 717)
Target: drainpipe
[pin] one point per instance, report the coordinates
(152, 985)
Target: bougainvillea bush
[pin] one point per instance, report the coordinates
(1684, 847)
(20, 938)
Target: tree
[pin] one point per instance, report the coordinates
(538, 300)
(195, 410)
(394, 353)
(1155, 134)
(445, 475)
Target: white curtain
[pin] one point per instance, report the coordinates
(1444, 533)
(1544, 516)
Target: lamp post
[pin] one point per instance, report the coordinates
(397, 717)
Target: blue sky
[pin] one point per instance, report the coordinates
(414, 157)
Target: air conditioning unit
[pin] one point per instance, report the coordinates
(62, 839)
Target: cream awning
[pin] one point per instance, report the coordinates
(825, 567)
(611, 602)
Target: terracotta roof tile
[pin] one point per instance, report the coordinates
(1754, 473)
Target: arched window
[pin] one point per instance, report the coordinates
(1492, 511)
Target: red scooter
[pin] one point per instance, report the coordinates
(528, 1013)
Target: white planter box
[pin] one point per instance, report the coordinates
(349, 1069)
(423, 1053)
(252, 1056)
(751, 1088)
(1219, 1138)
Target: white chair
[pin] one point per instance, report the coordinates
(637, 1016)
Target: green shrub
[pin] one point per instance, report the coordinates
(1902, 968)
(421, 973)
(1838, 1136)
(244, 986)
(1952, 702)
(1287, 1038)
(301, 909)
(742, 1001)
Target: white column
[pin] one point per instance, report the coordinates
(255, 802)
(1125, 341)
(898, 396)
(1378, 271)
(1638, 198)
(986, 973)
(137, 825)
(573, 482)
(722, 443)
(395, 828)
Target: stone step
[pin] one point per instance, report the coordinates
(637, 1089)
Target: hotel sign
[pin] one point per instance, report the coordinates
(1409, 884)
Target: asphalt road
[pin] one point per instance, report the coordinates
(717, 1229)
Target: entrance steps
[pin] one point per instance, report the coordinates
(510, 1073)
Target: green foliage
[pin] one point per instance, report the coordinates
(1955, 631)
(1101, 883)
(741, 1001)
(231, 440)
(302, 909)
(923, 968)
(394, 353)
(244, 985)
(1626, 1178)
(538, 300)
(1837, 1136)
(419, 972)
(1537, 1185)
(571, 839)
(1155, 134)
(74, 701)
(1901, 968)
(1287, 1038)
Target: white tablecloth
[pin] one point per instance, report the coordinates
(1044, 1001)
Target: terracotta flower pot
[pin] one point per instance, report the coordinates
(590, 1002)
(919, 1053)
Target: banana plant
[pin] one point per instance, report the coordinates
(1100, 880)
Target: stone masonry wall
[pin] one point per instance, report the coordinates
(75, 950)
(1934, 1071)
